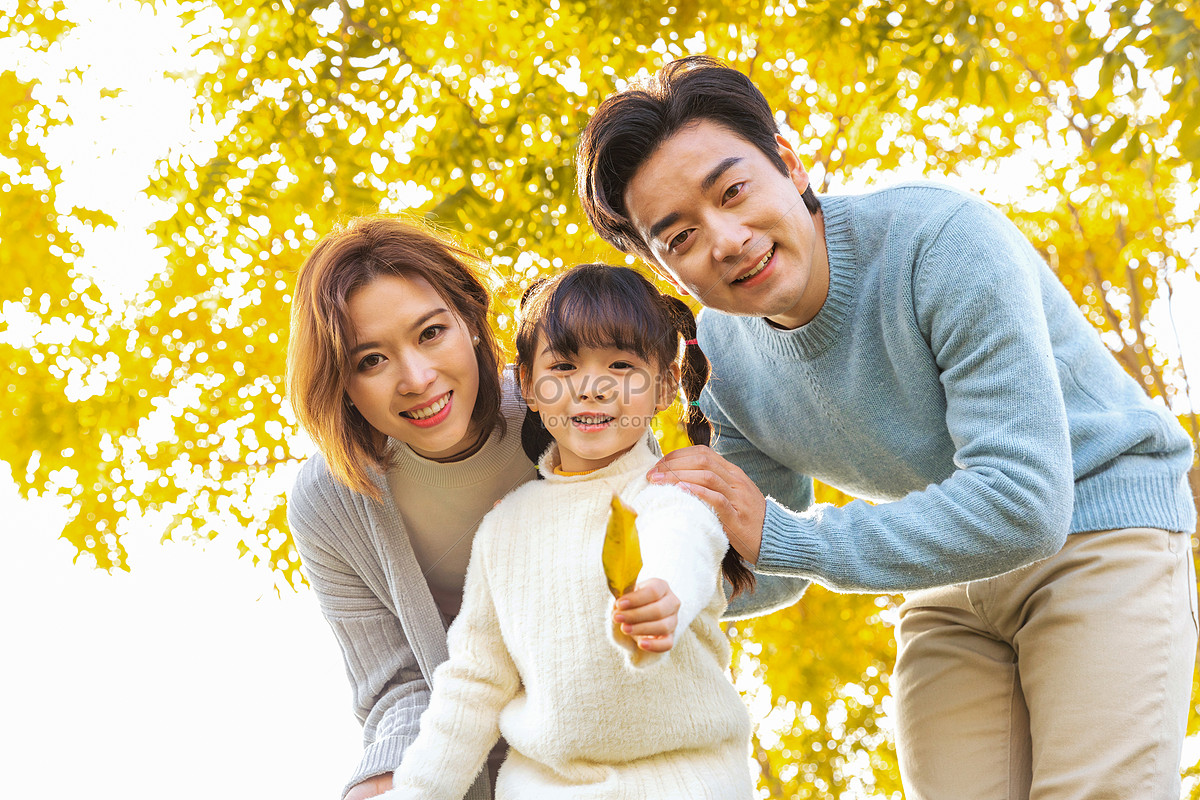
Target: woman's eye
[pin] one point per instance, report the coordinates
(432, 332)
(369, 361)
(732, 192)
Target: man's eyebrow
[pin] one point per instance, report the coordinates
(709, 180)
(424, 318)
(662, 224)
(717, 172)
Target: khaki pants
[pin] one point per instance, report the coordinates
(1066, 679)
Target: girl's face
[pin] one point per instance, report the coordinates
(413, 371)
(596, 403)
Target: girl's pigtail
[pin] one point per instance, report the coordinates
(694, 376)
(535, 439)
(534, 436)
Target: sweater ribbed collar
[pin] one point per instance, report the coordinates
(495, 455)
(816, 336)
(639, 457)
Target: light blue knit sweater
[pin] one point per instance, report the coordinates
(950, 379)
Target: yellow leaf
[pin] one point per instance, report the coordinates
(622, 555)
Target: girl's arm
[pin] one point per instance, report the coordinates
(462, 722)
(682, 544)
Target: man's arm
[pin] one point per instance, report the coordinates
(738, 480)
(741, 514)
(977, 303)
(770, 594)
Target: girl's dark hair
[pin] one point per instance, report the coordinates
(595, 306)
(630, 125)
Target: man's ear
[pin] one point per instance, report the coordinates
(792, 161)
(668, 388)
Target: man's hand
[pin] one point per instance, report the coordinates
(370, 787)
(739, 504)
(649, 615)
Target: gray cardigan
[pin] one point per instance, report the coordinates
(356, 554)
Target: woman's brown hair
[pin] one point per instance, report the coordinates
(318, 361)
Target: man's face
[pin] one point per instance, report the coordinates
(727, 227)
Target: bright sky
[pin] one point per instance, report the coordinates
(186, 678)
(189, 677)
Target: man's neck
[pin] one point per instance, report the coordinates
(817, 289)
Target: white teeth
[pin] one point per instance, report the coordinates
(759, 268)
(428, 411)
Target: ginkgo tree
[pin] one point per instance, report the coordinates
(1081, 119)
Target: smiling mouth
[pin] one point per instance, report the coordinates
(586, 421)
(428, 411)
(758, 267)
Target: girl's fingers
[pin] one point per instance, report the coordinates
(658, 627)
(661, 609)
(656, 644)
(652, 599)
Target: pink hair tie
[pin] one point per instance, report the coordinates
(690, 341)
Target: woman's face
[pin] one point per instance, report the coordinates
(413, 373)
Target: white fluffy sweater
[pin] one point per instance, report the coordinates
(534, 655)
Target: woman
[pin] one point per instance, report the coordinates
(395, 373)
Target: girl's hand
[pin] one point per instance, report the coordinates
(371, 787)
(739, 504)
(649, 615)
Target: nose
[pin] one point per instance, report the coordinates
(594, 387)
(414, 374)
(730, 237)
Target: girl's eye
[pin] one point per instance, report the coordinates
(621, 365)
(732, 192)
(561, 366)
(368, 361)
(432, 332)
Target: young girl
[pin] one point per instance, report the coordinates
(538, 653)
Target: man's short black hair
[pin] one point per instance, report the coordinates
(630, 125)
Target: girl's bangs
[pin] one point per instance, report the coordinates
(575, 320)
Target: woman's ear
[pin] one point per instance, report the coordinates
(668, 387)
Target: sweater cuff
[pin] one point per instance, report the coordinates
(383, 755)
(632, 656)
(788, 545)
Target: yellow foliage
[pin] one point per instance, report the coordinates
(466, 115)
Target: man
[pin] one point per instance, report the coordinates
(910, 347)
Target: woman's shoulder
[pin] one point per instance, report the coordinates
(512, 405)
(314, 477)
(316, 493)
